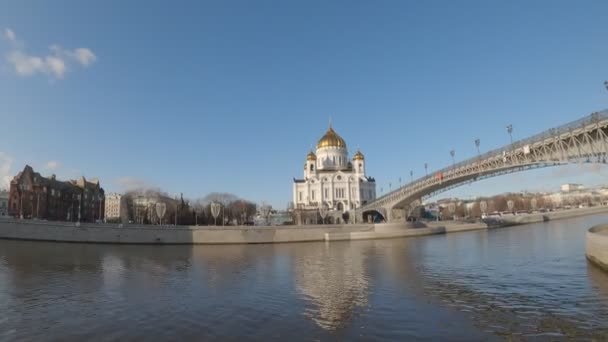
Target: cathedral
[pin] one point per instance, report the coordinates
(331, 178)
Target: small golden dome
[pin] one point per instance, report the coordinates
(311, 156)
(331, 139)
(358, 156)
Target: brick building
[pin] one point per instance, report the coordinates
(34, 196)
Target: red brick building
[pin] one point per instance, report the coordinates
(34, 196)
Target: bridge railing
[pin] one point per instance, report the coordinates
(498, 152)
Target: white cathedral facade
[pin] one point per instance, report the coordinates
(331, 178)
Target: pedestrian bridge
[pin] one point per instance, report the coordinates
(581, 141)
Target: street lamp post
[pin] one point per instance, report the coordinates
(21, 204)
(79, 206)
(99, 200)
(38, 205)
(176, 211)
(477, 142)
(426, 169)
(412, 176)
(452, 153)
(510, 131)
(323, 212)
(215, 211)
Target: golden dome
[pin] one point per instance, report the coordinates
(358, 156)
(331, 139)
(311, 156)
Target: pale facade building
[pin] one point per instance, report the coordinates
(571, 187)
(3, 203)
(332, 178)
(114, 206)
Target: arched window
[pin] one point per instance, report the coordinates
(312, 167)
(360, 167)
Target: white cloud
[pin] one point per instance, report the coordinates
(55, 64)
(5, 170)
(9, 35)
(53, 165)
(85, 56)
(25, 65)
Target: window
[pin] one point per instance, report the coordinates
(312, 195)
(339, 192)
(326, 193)
(300, 194)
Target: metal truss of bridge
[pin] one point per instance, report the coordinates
(581, 141)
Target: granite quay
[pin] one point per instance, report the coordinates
(150, 234)
(597, 246)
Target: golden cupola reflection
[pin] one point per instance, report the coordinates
(358, 156)
(331, 139)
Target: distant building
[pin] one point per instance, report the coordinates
(331, 178)
(3, 203)
(115, 206)
(46, 198)
(571, 187)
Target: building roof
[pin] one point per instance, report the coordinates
(311, 156)
(52, 181)
(331, 139)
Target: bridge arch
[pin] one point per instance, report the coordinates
(376, 215)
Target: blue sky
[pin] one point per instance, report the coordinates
(201, 96)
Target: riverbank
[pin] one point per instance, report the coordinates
(519, 219)
(188, 235)
(597, 246)
(191, 235)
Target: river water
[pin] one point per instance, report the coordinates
(521, 283)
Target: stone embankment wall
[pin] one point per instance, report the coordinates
(597, 245)
(140, 234)
(552, 215)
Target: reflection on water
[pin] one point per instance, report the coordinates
(333, 281)
(521, 283)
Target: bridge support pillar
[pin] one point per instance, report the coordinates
(396, 214)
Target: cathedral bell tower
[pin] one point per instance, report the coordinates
(310, 167)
